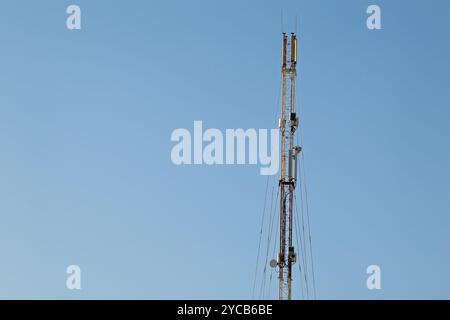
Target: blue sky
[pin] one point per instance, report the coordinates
(85, 124)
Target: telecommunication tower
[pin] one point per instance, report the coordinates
(288, 123)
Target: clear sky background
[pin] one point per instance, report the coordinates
(85, 123)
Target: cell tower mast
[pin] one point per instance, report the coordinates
(288, 124)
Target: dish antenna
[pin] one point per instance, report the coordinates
(273, 263)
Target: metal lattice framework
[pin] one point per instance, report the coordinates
(288, 124)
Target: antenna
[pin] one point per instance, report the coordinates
(273, 263)
(296, 24)
(282, 23)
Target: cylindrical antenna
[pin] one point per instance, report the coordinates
(284, 50)
(293, 48)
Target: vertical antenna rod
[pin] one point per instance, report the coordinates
(288, 123)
